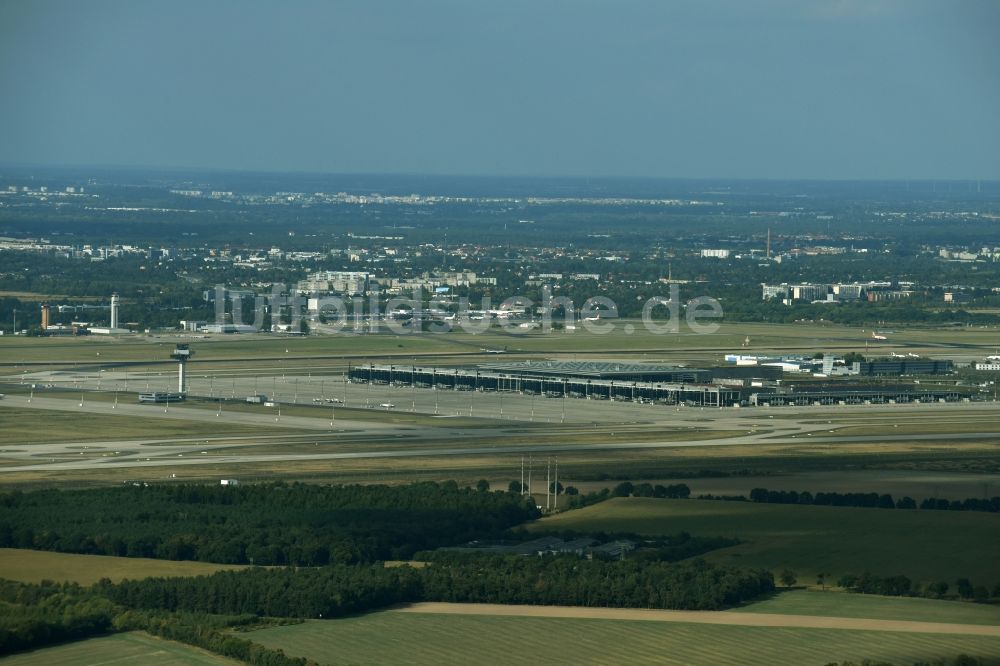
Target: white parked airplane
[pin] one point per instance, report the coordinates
(876, 336)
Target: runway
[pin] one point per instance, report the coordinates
(364, 439)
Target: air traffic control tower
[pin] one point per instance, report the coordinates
(182, 354)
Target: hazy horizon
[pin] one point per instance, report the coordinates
(819, 90)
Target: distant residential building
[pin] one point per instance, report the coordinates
(809, 292)
(795, 292)
(715, 254)
(342, 282)
(848, 292)
(957, 255)
(881, 295)
(462, 279)
(776, 291)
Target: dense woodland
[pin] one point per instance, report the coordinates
(336, 537)
(34, 615)
(267, 524)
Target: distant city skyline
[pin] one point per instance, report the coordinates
(778, 89)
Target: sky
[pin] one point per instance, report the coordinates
(814, 89)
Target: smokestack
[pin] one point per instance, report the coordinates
(769, 242)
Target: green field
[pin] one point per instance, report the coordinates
(845, 604)
(33, 566)
(417, 638)
(33, 426)
(133, 647)
(924, 545)
(898, 483)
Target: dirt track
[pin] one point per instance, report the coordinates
(705, 617)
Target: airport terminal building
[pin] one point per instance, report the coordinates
(644, 383)
(639, 382)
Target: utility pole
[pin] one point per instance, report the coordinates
(555, 503)
(522, 475)
(530, 461)
(562, 418)
(548, 483)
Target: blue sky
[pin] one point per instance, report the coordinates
(766, 89)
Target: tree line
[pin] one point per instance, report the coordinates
(623, 489)
(902, 586)
(870, 500)
(673, 491)
(339, 590)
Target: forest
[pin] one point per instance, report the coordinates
(184, 608)
(266, 524)
(327, 545)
